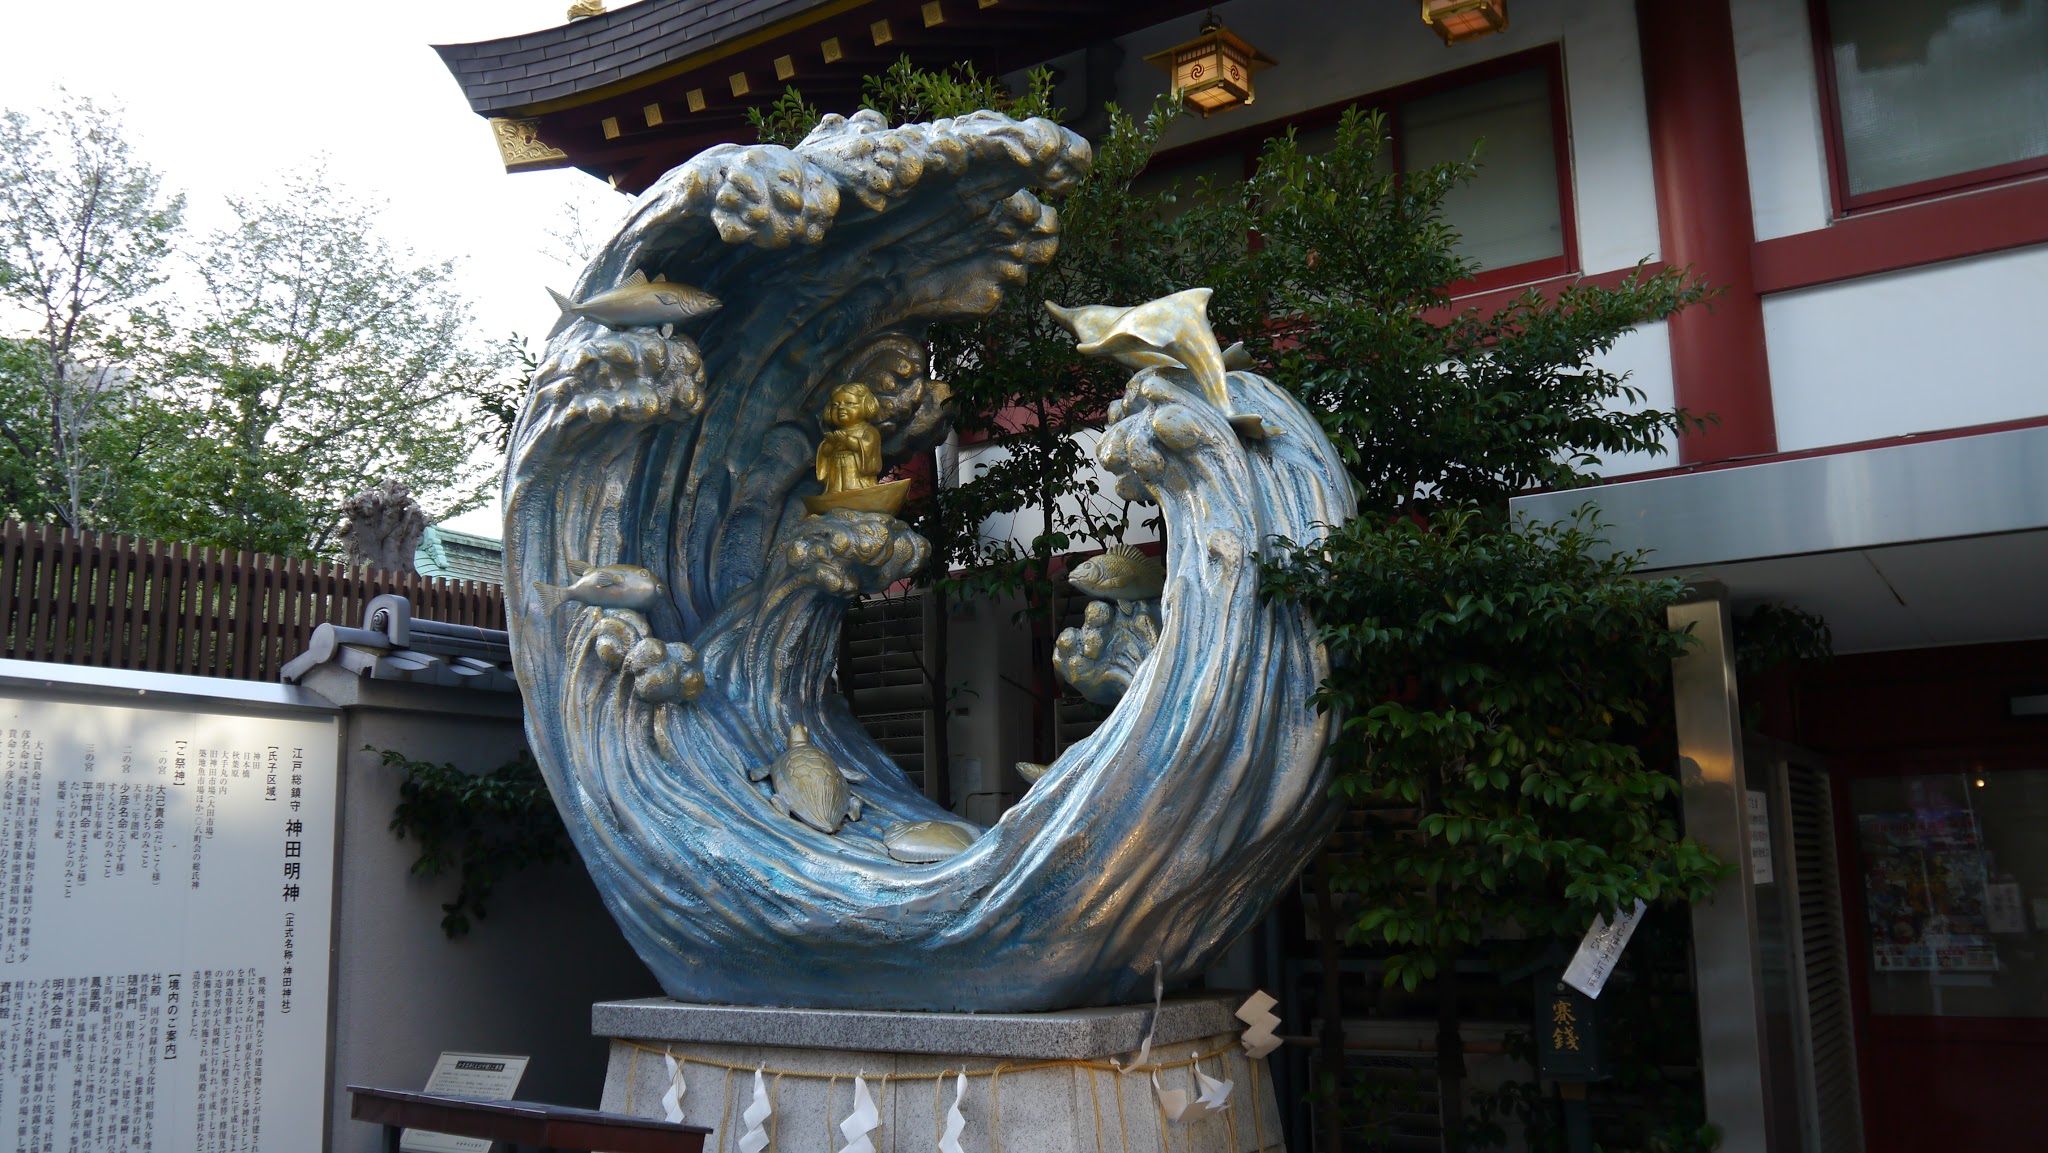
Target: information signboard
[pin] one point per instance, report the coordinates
(485, 1076)
(166, 895)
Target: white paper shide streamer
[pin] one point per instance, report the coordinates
(956, 1124)
(1180, 1109)
(755, 1138)
(861, 1122)
(1257, 1014)
(672, 1101)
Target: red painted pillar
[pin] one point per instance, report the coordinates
(1718, 361)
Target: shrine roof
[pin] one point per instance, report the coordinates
(628, 94)
(574, 61)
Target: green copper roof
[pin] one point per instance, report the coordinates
(444, 552)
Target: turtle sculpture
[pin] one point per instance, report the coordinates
(809, 786)
(928, 842)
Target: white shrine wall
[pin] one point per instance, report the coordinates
(1945, 346)
(1781, 116)
(521, 982)
(1333, 53)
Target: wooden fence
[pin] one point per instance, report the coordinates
(119, 602)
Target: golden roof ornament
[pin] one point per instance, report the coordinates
(585, 9)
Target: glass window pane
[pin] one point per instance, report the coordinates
(1323, 137)
(1955, 892)
(1222, 170)
(1509, 214)
(1933, 88)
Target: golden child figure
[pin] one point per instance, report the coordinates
(850, 455)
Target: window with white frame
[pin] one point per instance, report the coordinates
(1509, 215)
(1926, 96)
(1513, 219)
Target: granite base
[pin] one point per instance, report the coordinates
(1037, 1082)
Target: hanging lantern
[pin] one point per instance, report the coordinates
(1212, 72)
(1460, 20)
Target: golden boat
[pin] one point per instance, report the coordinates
(887, 497)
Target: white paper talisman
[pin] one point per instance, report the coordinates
(1598, 953)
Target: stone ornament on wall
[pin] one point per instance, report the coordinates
(753, 842)
(382, 526)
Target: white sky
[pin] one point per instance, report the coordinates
(224, 95)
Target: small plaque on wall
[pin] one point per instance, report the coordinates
(1760, 838)
(1567, 1034)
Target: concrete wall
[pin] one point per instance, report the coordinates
(524, 978)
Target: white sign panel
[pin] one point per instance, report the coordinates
(166, 887)
(1759, 838)
(1600, 950)
(2004, 911)
(487, 1076)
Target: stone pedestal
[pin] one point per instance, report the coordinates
(1036, 1082)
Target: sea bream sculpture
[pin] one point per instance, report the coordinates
(1118, 631)
(641, 303)
(699, 486)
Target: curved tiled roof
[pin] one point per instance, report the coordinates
(629, 94)
(562, 66)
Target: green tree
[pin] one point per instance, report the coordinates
(1495, 679)
(1499, 683)
(315, 359)
(85, 228)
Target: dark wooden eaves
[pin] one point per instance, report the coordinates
(589, 92)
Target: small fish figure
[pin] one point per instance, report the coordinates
(613, 586)
(642, 303)
(1120, 573)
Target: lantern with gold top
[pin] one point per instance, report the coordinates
(1460, 20)
(1212, 72)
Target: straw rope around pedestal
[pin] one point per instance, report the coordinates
(994, 1074)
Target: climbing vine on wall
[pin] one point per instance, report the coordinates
(485, 826)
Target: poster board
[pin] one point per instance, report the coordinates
(1925, 874)
(166, 903)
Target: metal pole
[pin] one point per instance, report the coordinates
(1727, 966)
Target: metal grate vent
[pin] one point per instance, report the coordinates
(883, 672)
(1836, 1115)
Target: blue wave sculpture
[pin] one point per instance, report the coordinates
(1156, 841)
